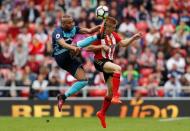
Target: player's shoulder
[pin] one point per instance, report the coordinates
(115, 33)
(77, 28)
(58, 29)
(116, 36)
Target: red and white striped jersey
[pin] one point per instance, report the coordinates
(112, 40)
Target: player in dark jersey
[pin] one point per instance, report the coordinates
(63, 52)
(104, 50)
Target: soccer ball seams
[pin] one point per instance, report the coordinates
(102, 12)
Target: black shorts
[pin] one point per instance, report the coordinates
(99, 64)
(68, 62)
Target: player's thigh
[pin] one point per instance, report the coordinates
(110, 67)
(80, 74)
(110, 85)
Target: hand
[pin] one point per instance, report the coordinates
(99, 27)
(75, 51)
(137, 36)
(105, 48)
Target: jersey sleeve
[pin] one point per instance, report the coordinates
(117, 37)
(97, 42)
(57, 34)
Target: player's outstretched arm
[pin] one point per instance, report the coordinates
(90, 31)
(128, 41)
(68, 46)
(94, 48)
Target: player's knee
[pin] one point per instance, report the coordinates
(117, 69)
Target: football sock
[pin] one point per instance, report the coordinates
(106, 103)
(76, 87)
(87, 41)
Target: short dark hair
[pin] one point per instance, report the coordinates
(65, 17)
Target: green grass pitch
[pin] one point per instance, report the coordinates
(91, 124)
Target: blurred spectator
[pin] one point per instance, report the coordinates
(160, 75)
(122, 62)
(33, 64)
(183, 26)
(74, 10)
(30, 13)
(179, 39)
(142, 14)
(187, 75)
(28, 76)
(135, 49)
(57, 75)
(127, 27)
(7, 76)
(130, 11)
(37, 48)
(20, 53)
(152, 85)
(168, 28)
(176, 61)
(152, 38)
(6, 53)
(16, 76)
(155, 21)
(46, 17)
(5, 14)
(130, 78)
(54, 81)
(132, 59)
(16, 16)
(187, 46)
(99, 80)
(89, 5)
(160, 59)
(172, 87)
(147, 58)
(69, 79)
(25, 35)
(60, 4)
(40, 34)
(39, 86)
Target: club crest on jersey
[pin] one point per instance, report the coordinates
(57, 36)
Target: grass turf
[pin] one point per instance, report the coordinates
(91, 124)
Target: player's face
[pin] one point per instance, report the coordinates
(109, 28)
(68, 24)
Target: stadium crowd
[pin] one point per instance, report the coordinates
(160, 59)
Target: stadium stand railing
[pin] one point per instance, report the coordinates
(100, 90)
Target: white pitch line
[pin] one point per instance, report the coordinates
(174, 119)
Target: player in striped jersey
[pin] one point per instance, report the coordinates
(103, 60)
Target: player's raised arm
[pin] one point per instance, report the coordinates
(94, 48)
(68, 46)
(128, 41)
(91, 30)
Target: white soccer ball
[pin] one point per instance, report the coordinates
(102, 12)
